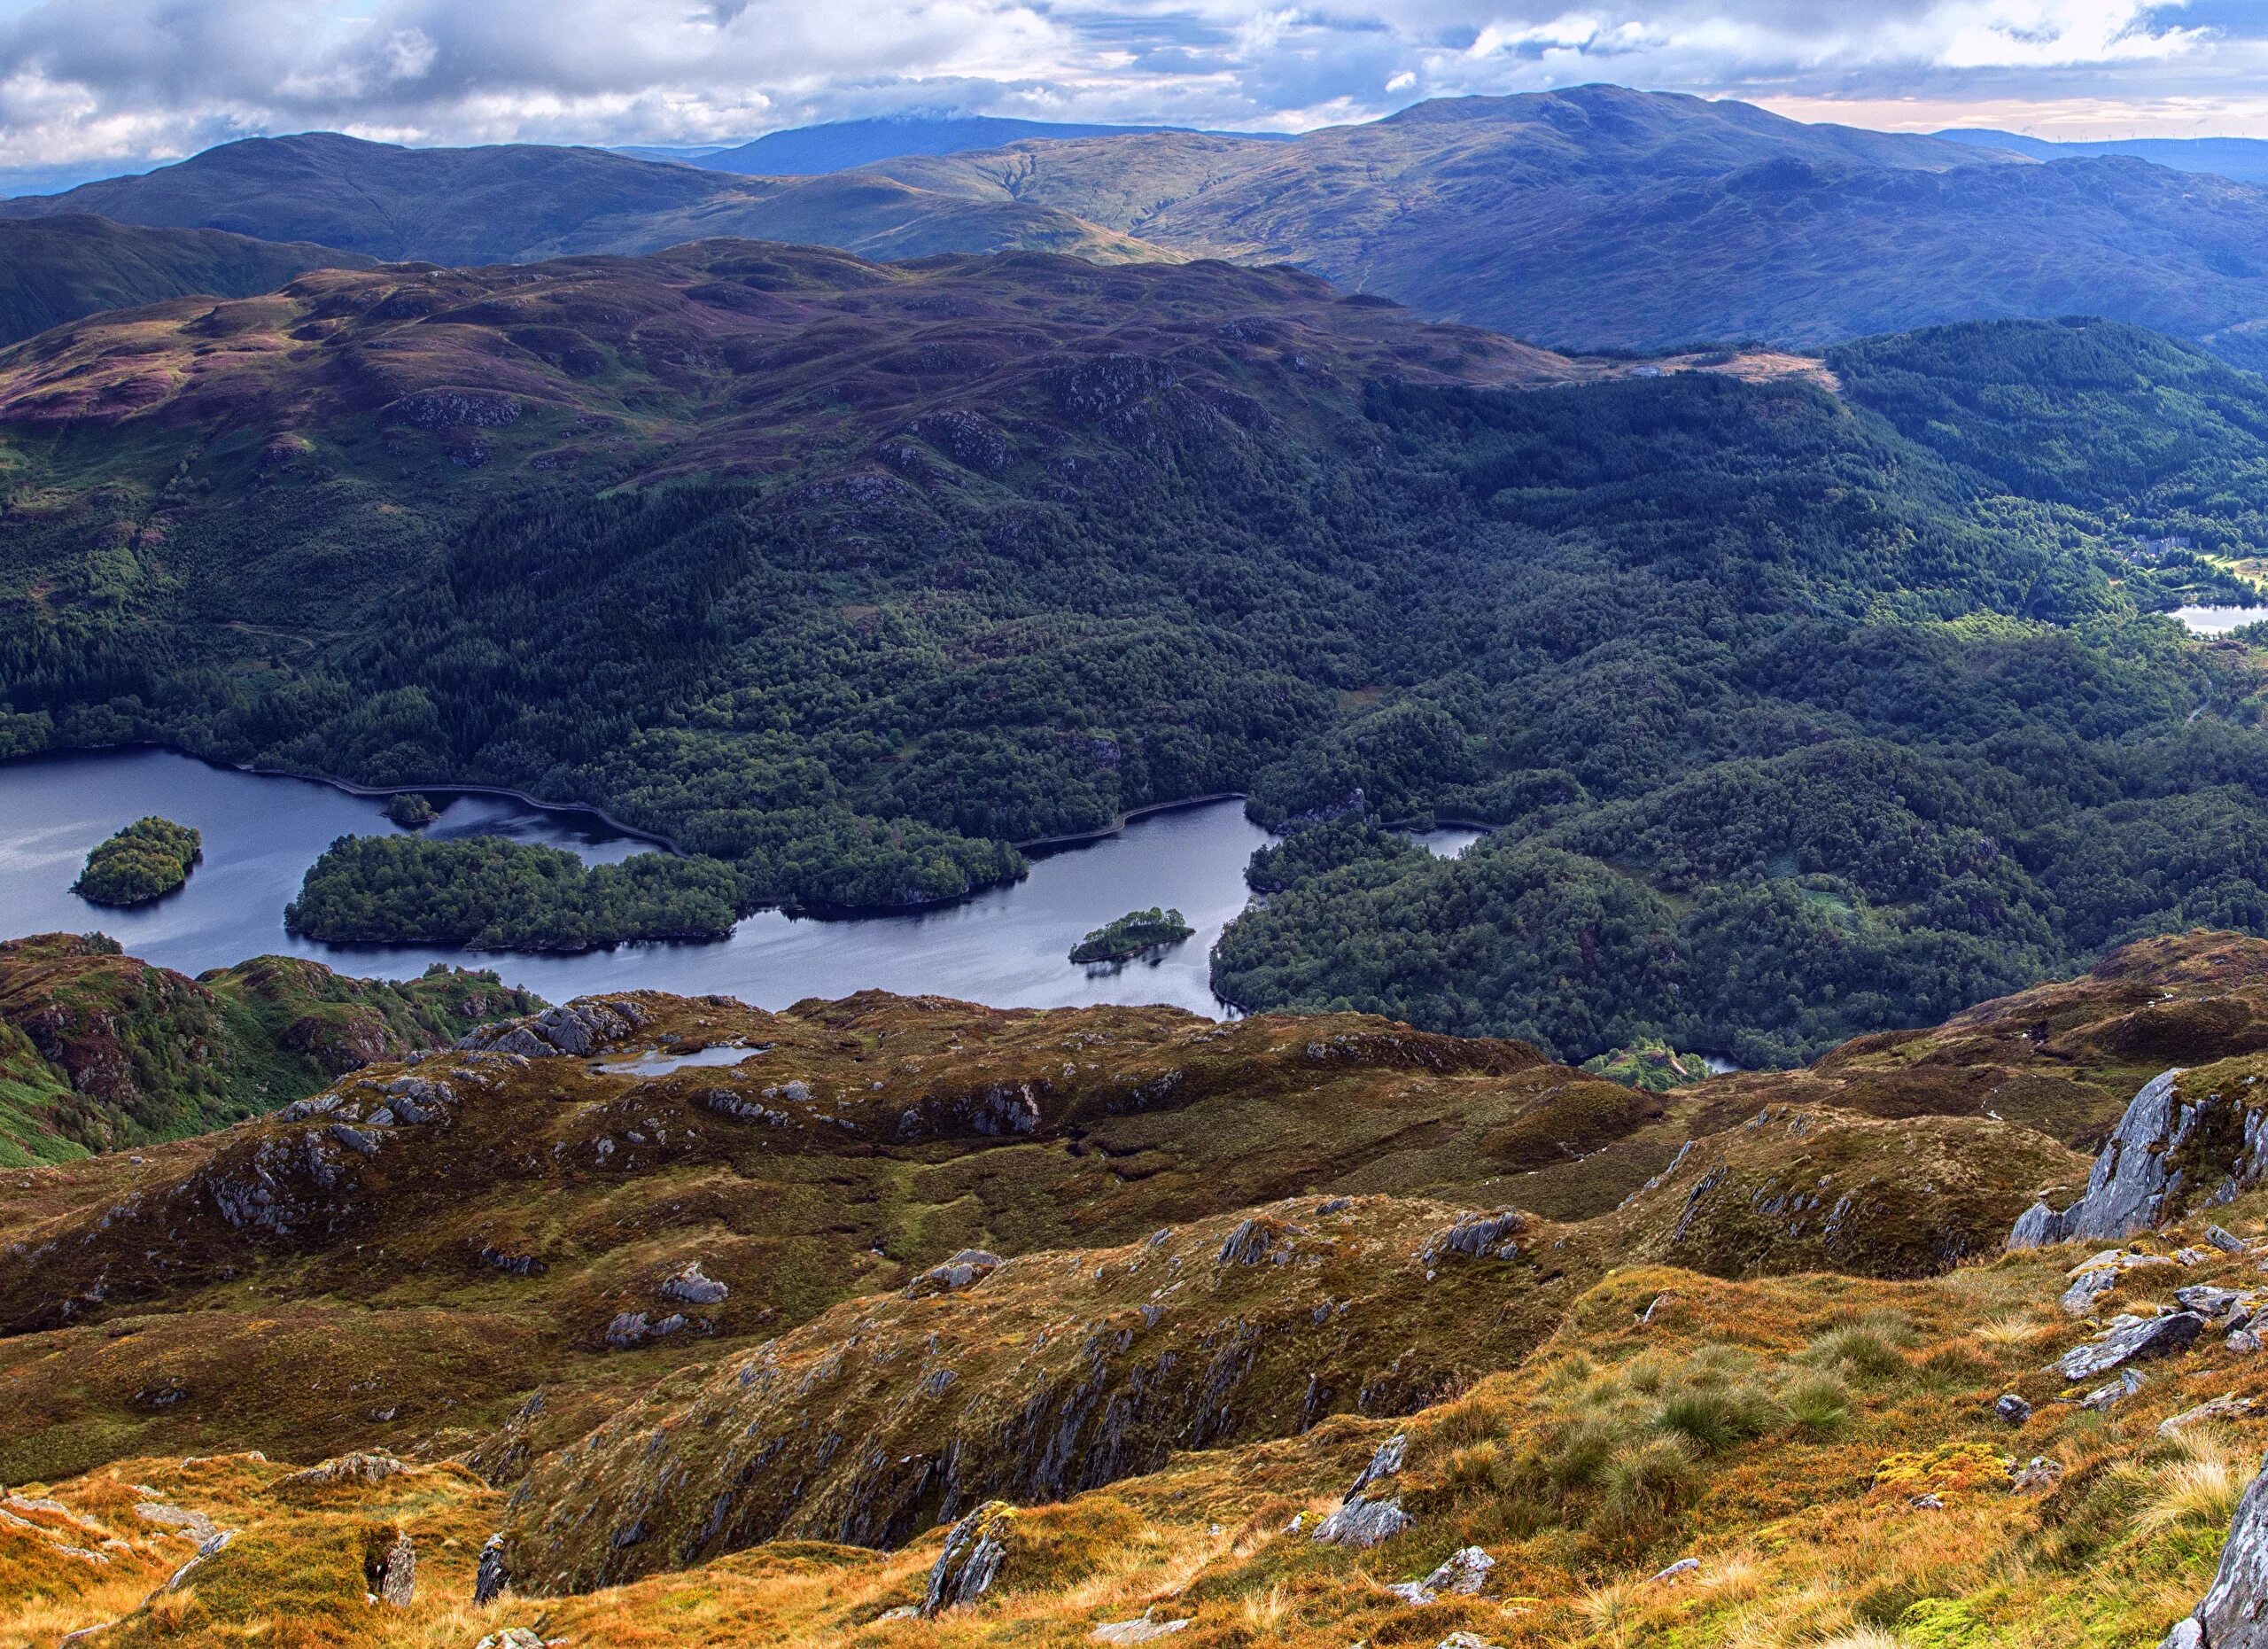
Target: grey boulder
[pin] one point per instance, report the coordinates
(1363, 1523)
(2129, 1339)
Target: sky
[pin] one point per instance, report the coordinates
(94, 86)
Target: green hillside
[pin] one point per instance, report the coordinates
(99, 1052)
(58, 269)
(1799, 723)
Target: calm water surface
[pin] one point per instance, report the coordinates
(1007, 947)
(2217, 620)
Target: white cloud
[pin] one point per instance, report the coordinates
(96, 79)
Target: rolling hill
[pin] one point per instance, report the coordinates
(2244, 159)
(1158, 1307)
(522, 201)
(99, 1052)
(58, 269)
(847, 576)
(1589, 218)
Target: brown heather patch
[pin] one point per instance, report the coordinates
(1798, 1543)
(1764, 1415)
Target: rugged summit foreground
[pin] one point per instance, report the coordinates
(652, 1319)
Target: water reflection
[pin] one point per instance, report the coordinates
(1009, 946)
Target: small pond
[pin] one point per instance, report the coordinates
(2217, 620)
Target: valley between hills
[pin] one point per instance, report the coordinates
(1764, 541)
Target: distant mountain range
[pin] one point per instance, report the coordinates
(1596, 217)
(1599, 217)
(2244, 159)
(839, 145)
(519, 202)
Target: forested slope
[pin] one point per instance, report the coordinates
(1801, 722)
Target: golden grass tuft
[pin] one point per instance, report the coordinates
(2199, 1487)
(2010, 1330)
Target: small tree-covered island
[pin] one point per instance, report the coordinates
(1135, 933)
(148, 859)
(410, 810)
(489, 894)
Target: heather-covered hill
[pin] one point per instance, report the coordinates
(595, 1224)
(1136, 1291)
(58, 269)
(99, 1052)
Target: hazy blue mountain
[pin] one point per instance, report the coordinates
(513, 202)
(1594, 217)
(839, 145)
(2245, 159)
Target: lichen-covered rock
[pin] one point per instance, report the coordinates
(1141, 1631)
(2166, 1154)
(1463, 1573)
(1257, 1241)
(2125, 1386)
(2012, 1409)
(2223, 1408)
(695, 1287)
(491, 1579)
(1363, 1523)
(1386, 1460)
(347, 1468)
(976, 1549)
(965, 1270)
(629, 1330)
(390, 1568)
(2129, 1339)
(2036, 1477)
(2234, 1613)
(1493, 1236)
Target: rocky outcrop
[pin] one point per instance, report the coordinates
(2165, 1155)
(2127, 1192)
(2100, 1273)
(1386, 1460)
(1462, 1574)
(976, 1549)
(490, 1579)
(347, 1468)
(965, 1270)
(629, 1330)
(695, 1287)
(390, 1568)
(1494, 1236)
(2234, 1614)
(1148, 1629)
(1362, 1522)
(2130, 1339)
(577, 1030)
